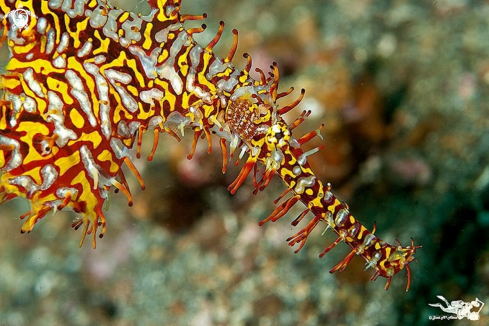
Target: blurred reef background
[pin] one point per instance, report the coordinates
(403, 90)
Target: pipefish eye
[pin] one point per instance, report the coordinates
(41, 144)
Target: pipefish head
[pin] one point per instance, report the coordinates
(394, 260)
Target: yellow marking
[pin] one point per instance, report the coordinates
(93, 137)
(67, 162)
(118, 62)
(362, 231)
(25, 48)
(86, 194)
(124, 16)
(34, 174)
(133, 90)
(77, 119)
(184, 69)
(120, 108)
(3, 120)
(4, 7)
(150, 83)
(292, 162)
(161, 13)
(67, 24)
(202, 80)
(33, 128)
(183, 61)
(131, 63)
(352, 219)
(128, 142)
(287, 172)
(387, 254)
(10, 83)
(185, 100)
(377, 246)
(107, 156)
(164, 55)
(243, 78)
(43, 42)
(206, 57)
(60, 87)
(317, 202)
(333, 206)
(208, 109)
(309, 192)
(169, 97)
(37, 65)
(104, 44)
(226, 72)
(80, 27)
(142, 114)
(147, 36)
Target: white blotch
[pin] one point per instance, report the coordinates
(59, 62)
(103, 92)
(79, 93)
(148, 62)
(341, 216)
(16, 159)
(149, 95)
(56, 116)
(304, 183)
(90, 165)
(123, 129)
(110, 27)
(85, 49)
(162, 35)
(50, 42)
(49, 176)
(26, 182)
(119, 149)
(115, 77)
(63, 44)
(64, 191)
(296, 170)
(33, 83)
(42, 23)
(74, 9)
(99, 59)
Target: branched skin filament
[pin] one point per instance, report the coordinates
(86, 80)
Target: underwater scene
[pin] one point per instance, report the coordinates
(386, 174)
